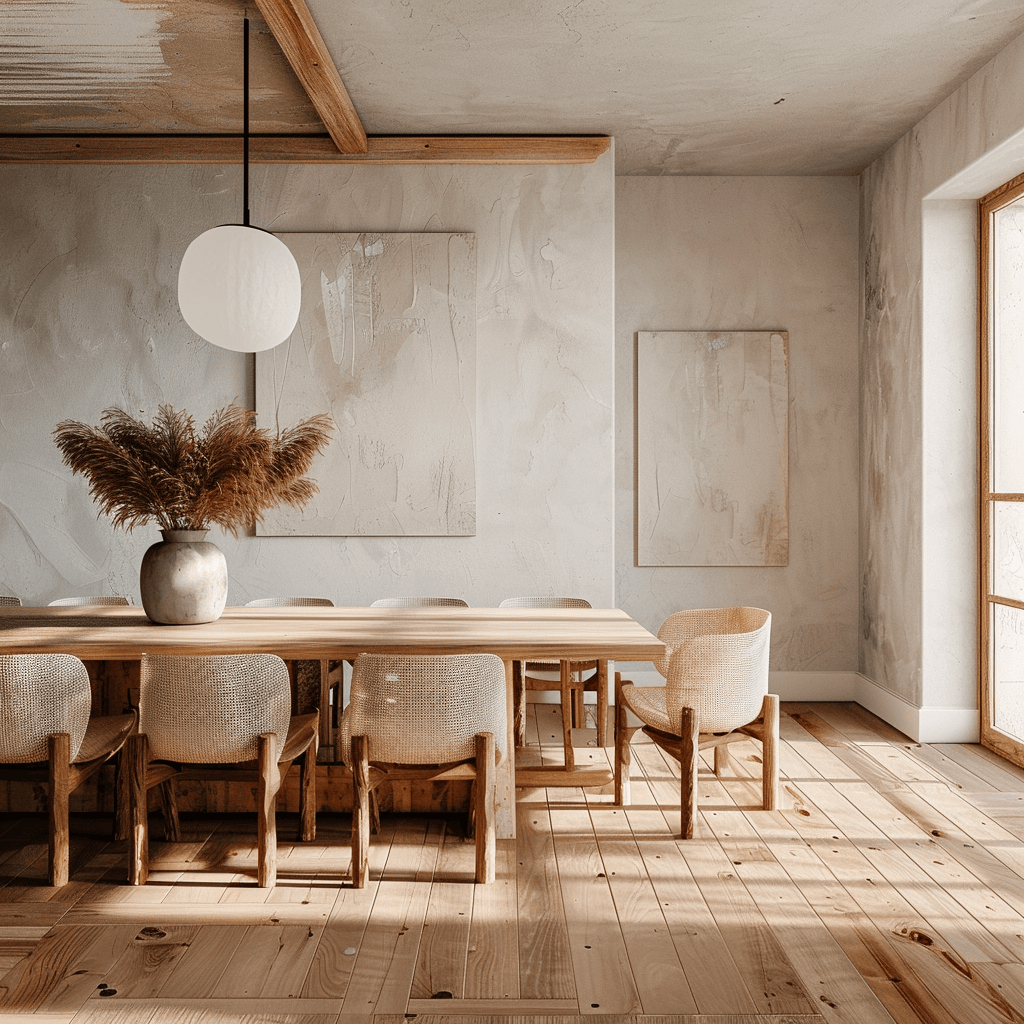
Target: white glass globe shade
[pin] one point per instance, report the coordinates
(239, 288)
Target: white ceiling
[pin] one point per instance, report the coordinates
(685, 86)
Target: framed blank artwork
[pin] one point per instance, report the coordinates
(712, 448)
(386, 346)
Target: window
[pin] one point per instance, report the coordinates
(1001, 469)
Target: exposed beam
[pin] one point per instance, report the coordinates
(296, 33)
(300, 149)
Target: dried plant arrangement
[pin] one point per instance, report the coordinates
(229, 473)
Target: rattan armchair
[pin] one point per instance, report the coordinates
(219, 717)
(9, 602)
(106, 600)
(419, 602)
(425, 718)
(572, 681)
(716, 692)
(298, 669)
(48, 737)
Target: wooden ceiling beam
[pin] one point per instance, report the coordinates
(296, 33)
(300, 149)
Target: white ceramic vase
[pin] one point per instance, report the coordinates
(184, 579)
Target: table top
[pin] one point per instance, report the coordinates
(125, 633)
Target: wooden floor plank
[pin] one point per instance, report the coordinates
(823, 760)
(985, 763)
(827, 980)
(711, 974)
(335, 957)
(600, 962)
(381, 978)
(444, 947)
(197, 972)
(150, 959)
(65, 968)
(654, 962)
(545, 963)
(974, 921)
(951, 771)
(767, 974)
(873, 953)
(492, 963)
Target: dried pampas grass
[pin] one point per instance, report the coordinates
(228, 474)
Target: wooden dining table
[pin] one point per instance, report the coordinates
(514, 634)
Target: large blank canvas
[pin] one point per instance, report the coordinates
(712, 448)
(385, 345)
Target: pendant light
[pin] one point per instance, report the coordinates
(239, 287)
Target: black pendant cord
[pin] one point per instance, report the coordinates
(245, 118)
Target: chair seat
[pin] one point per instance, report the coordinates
(648, 703)
(102, 735)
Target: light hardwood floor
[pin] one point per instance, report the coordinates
(889, 887)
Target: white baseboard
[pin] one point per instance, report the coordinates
(925, 725)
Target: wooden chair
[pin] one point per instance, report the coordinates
(572, 681)
(224, 717)
(716, 692)
(419, 602)
(83, 602)
(9, 602)
(428, 718)
(47, 736)
(326, 668)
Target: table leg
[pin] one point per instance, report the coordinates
(505, 780)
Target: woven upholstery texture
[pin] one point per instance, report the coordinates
(717, 664)
(10, 602)
(83, 602)
(544, 602)
(41, 694)
(290, 602)
(419, 602)
(425, 709)
(212, 709)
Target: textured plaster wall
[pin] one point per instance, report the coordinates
(918, 407)
(89, 319)
(740, 254)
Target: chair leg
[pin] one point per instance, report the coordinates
(59, 756)
(623, 755)
(602, 703)
(484, 794)
(579, 712)
(361, 796)
(722, 759)
(565, 679)
(325, 703)
(136, 755)
(122, 813)
(770, 752)
(169, 808)
(519, 701)
(307, 788)
(688, 756)
(266, 797)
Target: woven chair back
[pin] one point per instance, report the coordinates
(83, 602)
(426, 709)
(10, 602)
(718, 665)
(212, 709)
(290, 602)
(544, 602)
(41, 694)
(419, 602)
